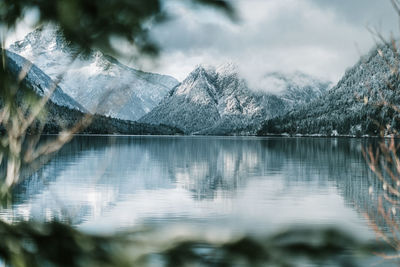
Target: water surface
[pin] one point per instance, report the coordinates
(243, 184)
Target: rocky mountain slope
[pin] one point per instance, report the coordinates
(216, 101)
(98, 82)
(363, 102)
(39, 82)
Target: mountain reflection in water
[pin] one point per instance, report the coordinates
(237, 183)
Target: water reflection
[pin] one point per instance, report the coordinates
(239, 183)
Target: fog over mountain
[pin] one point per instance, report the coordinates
(295, 88)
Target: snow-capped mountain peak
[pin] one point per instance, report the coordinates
(98, 82)
(212, 101)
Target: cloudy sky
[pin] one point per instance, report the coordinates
(318, 37)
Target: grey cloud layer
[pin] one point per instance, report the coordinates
(317, 37)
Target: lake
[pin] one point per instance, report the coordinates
(235, 184)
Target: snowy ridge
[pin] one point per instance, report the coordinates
(98, 82)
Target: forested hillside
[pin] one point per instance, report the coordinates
(364, 102)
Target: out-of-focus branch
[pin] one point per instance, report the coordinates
(16, 120)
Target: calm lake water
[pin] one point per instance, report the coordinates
(244, 184)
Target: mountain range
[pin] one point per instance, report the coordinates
(98, 82)
(214, 100)
(218, 101)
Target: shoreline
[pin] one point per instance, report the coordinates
(243, 136)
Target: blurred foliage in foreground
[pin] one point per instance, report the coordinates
(90, 24)
(56, 244)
